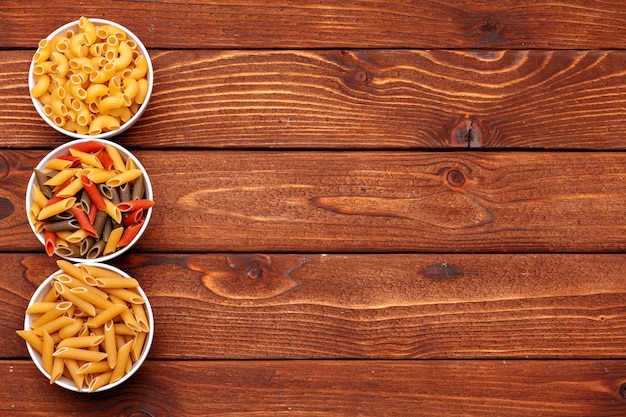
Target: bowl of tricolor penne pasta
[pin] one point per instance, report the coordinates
(88, 327)
(91, 78)
(89, 200)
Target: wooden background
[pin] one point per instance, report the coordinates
(372, 208)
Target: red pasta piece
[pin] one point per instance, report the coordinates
(93, 193)
(105, 160)
(83, 221)
(132, 205)
(129, 234)
(49, 238)
(74, 159)
(93, 212)
(91, 146)
(133, 217)
(53, 200)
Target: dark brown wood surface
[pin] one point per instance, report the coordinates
(362, 209)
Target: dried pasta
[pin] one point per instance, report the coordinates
(92, 80)
(78, 202)
(91, 347)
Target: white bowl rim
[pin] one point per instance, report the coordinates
(66, 382)
(125, 152)
(123, 127)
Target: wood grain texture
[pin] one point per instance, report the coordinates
(324, 202)
(337, 24)
(278, 306)
(334, 388)
(359, 99)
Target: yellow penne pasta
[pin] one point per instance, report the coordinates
(116, 157)
(58, 310)
(32, 339)
(81, 341)
(139, 311)
(110, 347)
(47, 350)
(77, 236)
(94, 367)
(86, 158)
(79, 354)
(53, 325)
(71, 189)
(87, 294)
(39, 198)
(73, 282)
(58, 365)
(99, 272)
(123, 329)
(123, 358)
(124, 177)
(61, 177)
(138, 343)
(41, 307)
(72, 269)
(33, 212)
(58, 164)
(106, 315)
(56, 208)
(72, 329)
(113, 211)
(99, 381)
(72, 368)
(79, 302)
(115, 282)
(114, 238)
(126, 295)
(97, 175)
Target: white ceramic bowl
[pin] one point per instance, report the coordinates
(64, 150)
(68, 383)
(73, 26)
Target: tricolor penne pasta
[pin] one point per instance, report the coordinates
(77, 198)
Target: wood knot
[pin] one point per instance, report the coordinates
(6, 208)
(253, 276)
(360, 77)
(253, 273)
(466, 133)
(455, 178)
(488, 31)
(622, 391)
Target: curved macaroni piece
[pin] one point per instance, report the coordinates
(103, 123)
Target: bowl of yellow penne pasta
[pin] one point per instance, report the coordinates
(91, 78)
(88, 327)
(89, 199)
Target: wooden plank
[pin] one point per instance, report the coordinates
(320, 202)
(278, 306)
(376, 99)
(336, 23)
(334, 388)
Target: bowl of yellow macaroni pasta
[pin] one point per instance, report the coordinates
(88, 327)
(91, 78)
